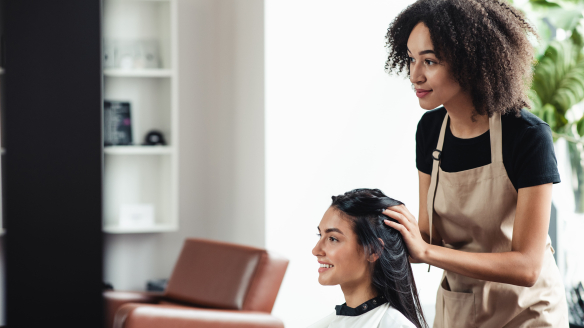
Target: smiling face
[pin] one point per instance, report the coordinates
(342, 260)
(432, 78)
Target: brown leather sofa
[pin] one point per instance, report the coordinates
(213, 285)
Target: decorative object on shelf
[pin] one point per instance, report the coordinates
(131, 54)
(117, 129)
(107, 286)
(108, 54)
(136, 215)
(154, 138)
(148, 54)
(157, 285)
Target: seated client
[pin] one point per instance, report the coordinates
(369, 260)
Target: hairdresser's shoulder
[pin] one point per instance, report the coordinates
(395, 319)
(429, 125)
(433, 117)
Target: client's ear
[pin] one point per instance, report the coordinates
(374, 256)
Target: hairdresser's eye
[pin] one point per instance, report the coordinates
(411, 59)
(318, 235)
(331, 238)
(430, 62)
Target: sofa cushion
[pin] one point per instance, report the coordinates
(213, 274)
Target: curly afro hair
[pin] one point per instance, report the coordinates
(485, 43)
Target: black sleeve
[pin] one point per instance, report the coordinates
(423, 158)
(535, 162)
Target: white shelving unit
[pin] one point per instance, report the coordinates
(139, 174)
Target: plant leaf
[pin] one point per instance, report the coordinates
(580, 126)
(566, 19)
(548, 114)
(543, 4)
(558, 80)
(577, 36)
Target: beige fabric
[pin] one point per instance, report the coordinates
(474, 211)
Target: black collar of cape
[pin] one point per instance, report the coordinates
(361, 309)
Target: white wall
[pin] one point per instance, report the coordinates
(221, 100)
(335, 121)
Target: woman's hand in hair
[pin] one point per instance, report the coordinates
(407, 225)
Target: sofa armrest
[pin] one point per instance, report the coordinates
(115, 299)
(172, 316)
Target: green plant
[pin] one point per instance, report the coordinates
(558, 85)
(558, 82)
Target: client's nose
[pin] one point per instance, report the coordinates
(317, 250)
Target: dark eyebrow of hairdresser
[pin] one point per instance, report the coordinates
(486, 165)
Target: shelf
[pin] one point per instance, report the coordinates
(138, 150)
(152, 229)
(141, 0)
(152, 72)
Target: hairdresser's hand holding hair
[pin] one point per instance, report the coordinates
(407, 225)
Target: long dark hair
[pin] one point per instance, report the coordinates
(392, 274)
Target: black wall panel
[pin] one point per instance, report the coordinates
(53, 162)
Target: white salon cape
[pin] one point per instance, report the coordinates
(382, 316)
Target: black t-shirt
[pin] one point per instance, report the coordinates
(528, 150)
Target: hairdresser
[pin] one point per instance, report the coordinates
(486, 165)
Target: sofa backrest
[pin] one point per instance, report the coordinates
(226, 276)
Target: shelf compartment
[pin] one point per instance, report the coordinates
(140, 20)
(152, 72)
(138, 150)
(150, 104)
(130, 179)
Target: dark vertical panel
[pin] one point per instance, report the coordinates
(53, 163)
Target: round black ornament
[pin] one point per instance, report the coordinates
(154, 138)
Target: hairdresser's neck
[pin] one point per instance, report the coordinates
(358, 293)
(461, 110)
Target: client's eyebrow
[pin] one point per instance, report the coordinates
(331, 230)
(334, 230)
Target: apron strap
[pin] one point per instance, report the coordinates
(496, 138)
(437, 156)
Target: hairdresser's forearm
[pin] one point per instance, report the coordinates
(513, 267)
(520, 266)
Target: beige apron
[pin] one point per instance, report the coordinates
(474, 211)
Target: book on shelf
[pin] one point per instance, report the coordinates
(117, 123)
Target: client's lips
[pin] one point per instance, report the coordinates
(324, 267)
(421, 93)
